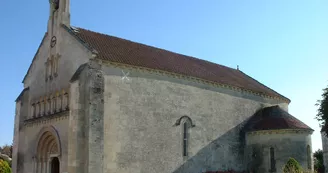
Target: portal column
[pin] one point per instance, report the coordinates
(34, 163)
(40, 165)
(49, 165)
(45, 161)
(37, 165)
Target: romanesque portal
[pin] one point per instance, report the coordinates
(48, 151)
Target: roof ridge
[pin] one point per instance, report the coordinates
(189, 56)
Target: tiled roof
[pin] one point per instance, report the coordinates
(274, 118)
(124, 51)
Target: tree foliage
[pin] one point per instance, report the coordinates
(4, 167)
(6, 153)
(318, 161)
(322, 115)
(7, 150)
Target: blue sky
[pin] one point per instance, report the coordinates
(283, 44)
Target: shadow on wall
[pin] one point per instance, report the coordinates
(224, 153)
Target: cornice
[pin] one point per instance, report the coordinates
(189, 78)
(280, 131)
(46, 119)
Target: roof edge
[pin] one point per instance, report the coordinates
(309, 130)
(277, 113)
(283, 97)
(79, 39)
(78, 72)
(45, 35)
(21, 94)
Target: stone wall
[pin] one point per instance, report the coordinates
(31, 132)
(86, 120)
(46, 101)
(71, 55)
(16, 137)
(285, 144)
(141, 117)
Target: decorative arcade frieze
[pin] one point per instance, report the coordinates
(51, 104)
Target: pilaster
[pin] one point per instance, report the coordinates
(75, 131)
(95, 114)
(86, 120)
(16, 137)
(21, 113)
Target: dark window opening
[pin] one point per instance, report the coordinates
(309, 157)
(272, 160)
(185, 139)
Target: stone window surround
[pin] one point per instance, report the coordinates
(186, 123)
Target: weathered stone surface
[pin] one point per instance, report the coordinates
(122, 120)
(73, 54)
(95, 115)
(139, 119)
(286, 144)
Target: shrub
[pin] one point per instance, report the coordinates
(292, 166)
(4, 167)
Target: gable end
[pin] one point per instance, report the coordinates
(45, 35)
(79, 39)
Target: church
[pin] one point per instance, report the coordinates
(94, 103)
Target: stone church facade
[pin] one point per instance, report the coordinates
(94, 103)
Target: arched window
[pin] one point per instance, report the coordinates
(185, 123)
(309, 160)
(272, 160)
(185, 139)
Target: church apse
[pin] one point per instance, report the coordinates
(272, 137)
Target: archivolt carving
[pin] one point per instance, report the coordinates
(47, 142)
(47, 146)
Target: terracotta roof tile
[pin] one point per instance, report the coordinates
(127, 52)
(274, 118)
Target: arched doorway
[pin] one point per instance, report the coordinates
(55, 165)
(48, 151)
